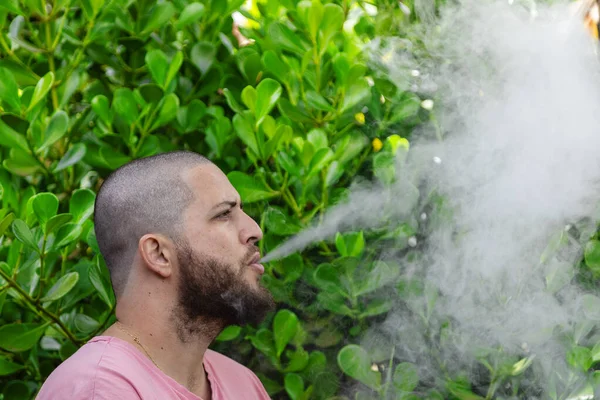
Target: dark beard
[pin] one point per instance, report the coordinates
(215, 293)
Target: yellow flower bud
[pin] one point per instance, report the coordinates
(360, 118)
(377, 145)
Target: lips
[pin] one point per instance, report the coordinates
(254, 263)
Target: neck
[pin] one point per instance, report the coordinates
(175, 346)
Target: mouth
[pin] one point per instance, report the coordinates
(254, 264)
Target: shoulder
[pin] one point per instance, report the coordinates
(233, 380)
(220, 361)
(92, 371)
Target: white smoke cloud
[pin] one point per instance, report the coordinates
(520, 96)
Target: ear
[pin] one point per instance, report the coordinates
(158, 254)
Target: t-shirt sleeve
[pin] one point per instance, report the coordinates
(260, 389)
(104, 385)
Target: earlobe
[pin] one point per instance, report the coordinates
(155, 251)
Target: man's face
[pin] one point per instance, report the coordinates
(219, 275)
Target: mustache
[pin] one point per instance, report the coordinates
(252, 250)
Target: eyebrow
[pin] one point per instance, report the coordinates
(227, 202)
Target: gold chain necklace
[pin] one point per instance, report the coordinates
(119, 326)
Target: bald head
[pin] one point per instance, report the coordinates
(147, 195)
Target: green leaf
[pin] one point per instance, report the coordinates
(249, 188)
(57, 221)
(358, 92)
(283, 134)
(5, 223)
(592, 255)
(229, 333)
(406, 377)
(24, 234)
(125, 106)
(151, 93)
(190, 14)
(11, 138)
(591, 306)
(580, 358)
(81, 205)
(174, 66)
(20, 337)
(334, 302)
(268, 91)
(99, 277)
(91, 7)
(71, 157)
(279, 223)
(313, 19)
(462, 392)
(285, 326)
(595, 354)
(12, 6)
(319, 161)
(350, 244)
(86, 324)
(113, 158)
(284, 37)
(263, 341)
(294, 385)
(328, 278)
(45, 206)
(332, 22)
(232, 102)
(203, 56)
(158, 65)
(376, 307)
(560, 275)
(41, 89)
(520, 366)
(350, 146)
(57, 128)
(168, 111)
(382, 274)
(9, 91)
(61, 287)
(244, 130)
(101, 108)
(356, 363)
(160, 16)
(318, 102)
(67, 234)
(298, 360)
(274, 65)
(8, 367)
(249, 98)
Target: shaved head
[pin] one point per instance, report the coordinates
(147, 195)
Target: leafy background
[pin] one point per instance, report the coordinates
(287, 105)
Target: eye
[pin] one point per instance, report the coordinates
(224, 214)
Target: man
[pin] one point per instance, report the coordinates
(184, 264)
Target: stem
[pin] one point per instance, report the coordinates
(324, 194)
(42, 310)
(287, 196)
(15, 58)
(42, 264)
(50, 51)
(492, 388)
(61, 26)
(388, 375)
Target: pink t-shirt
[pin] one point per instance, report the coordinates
(108, 368)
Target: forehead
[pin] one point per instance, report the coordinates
(209, 185)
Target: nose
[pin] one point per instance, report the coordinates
(250, 232)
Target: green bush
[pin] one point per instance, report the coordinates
(289, 107)
(86, 86)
